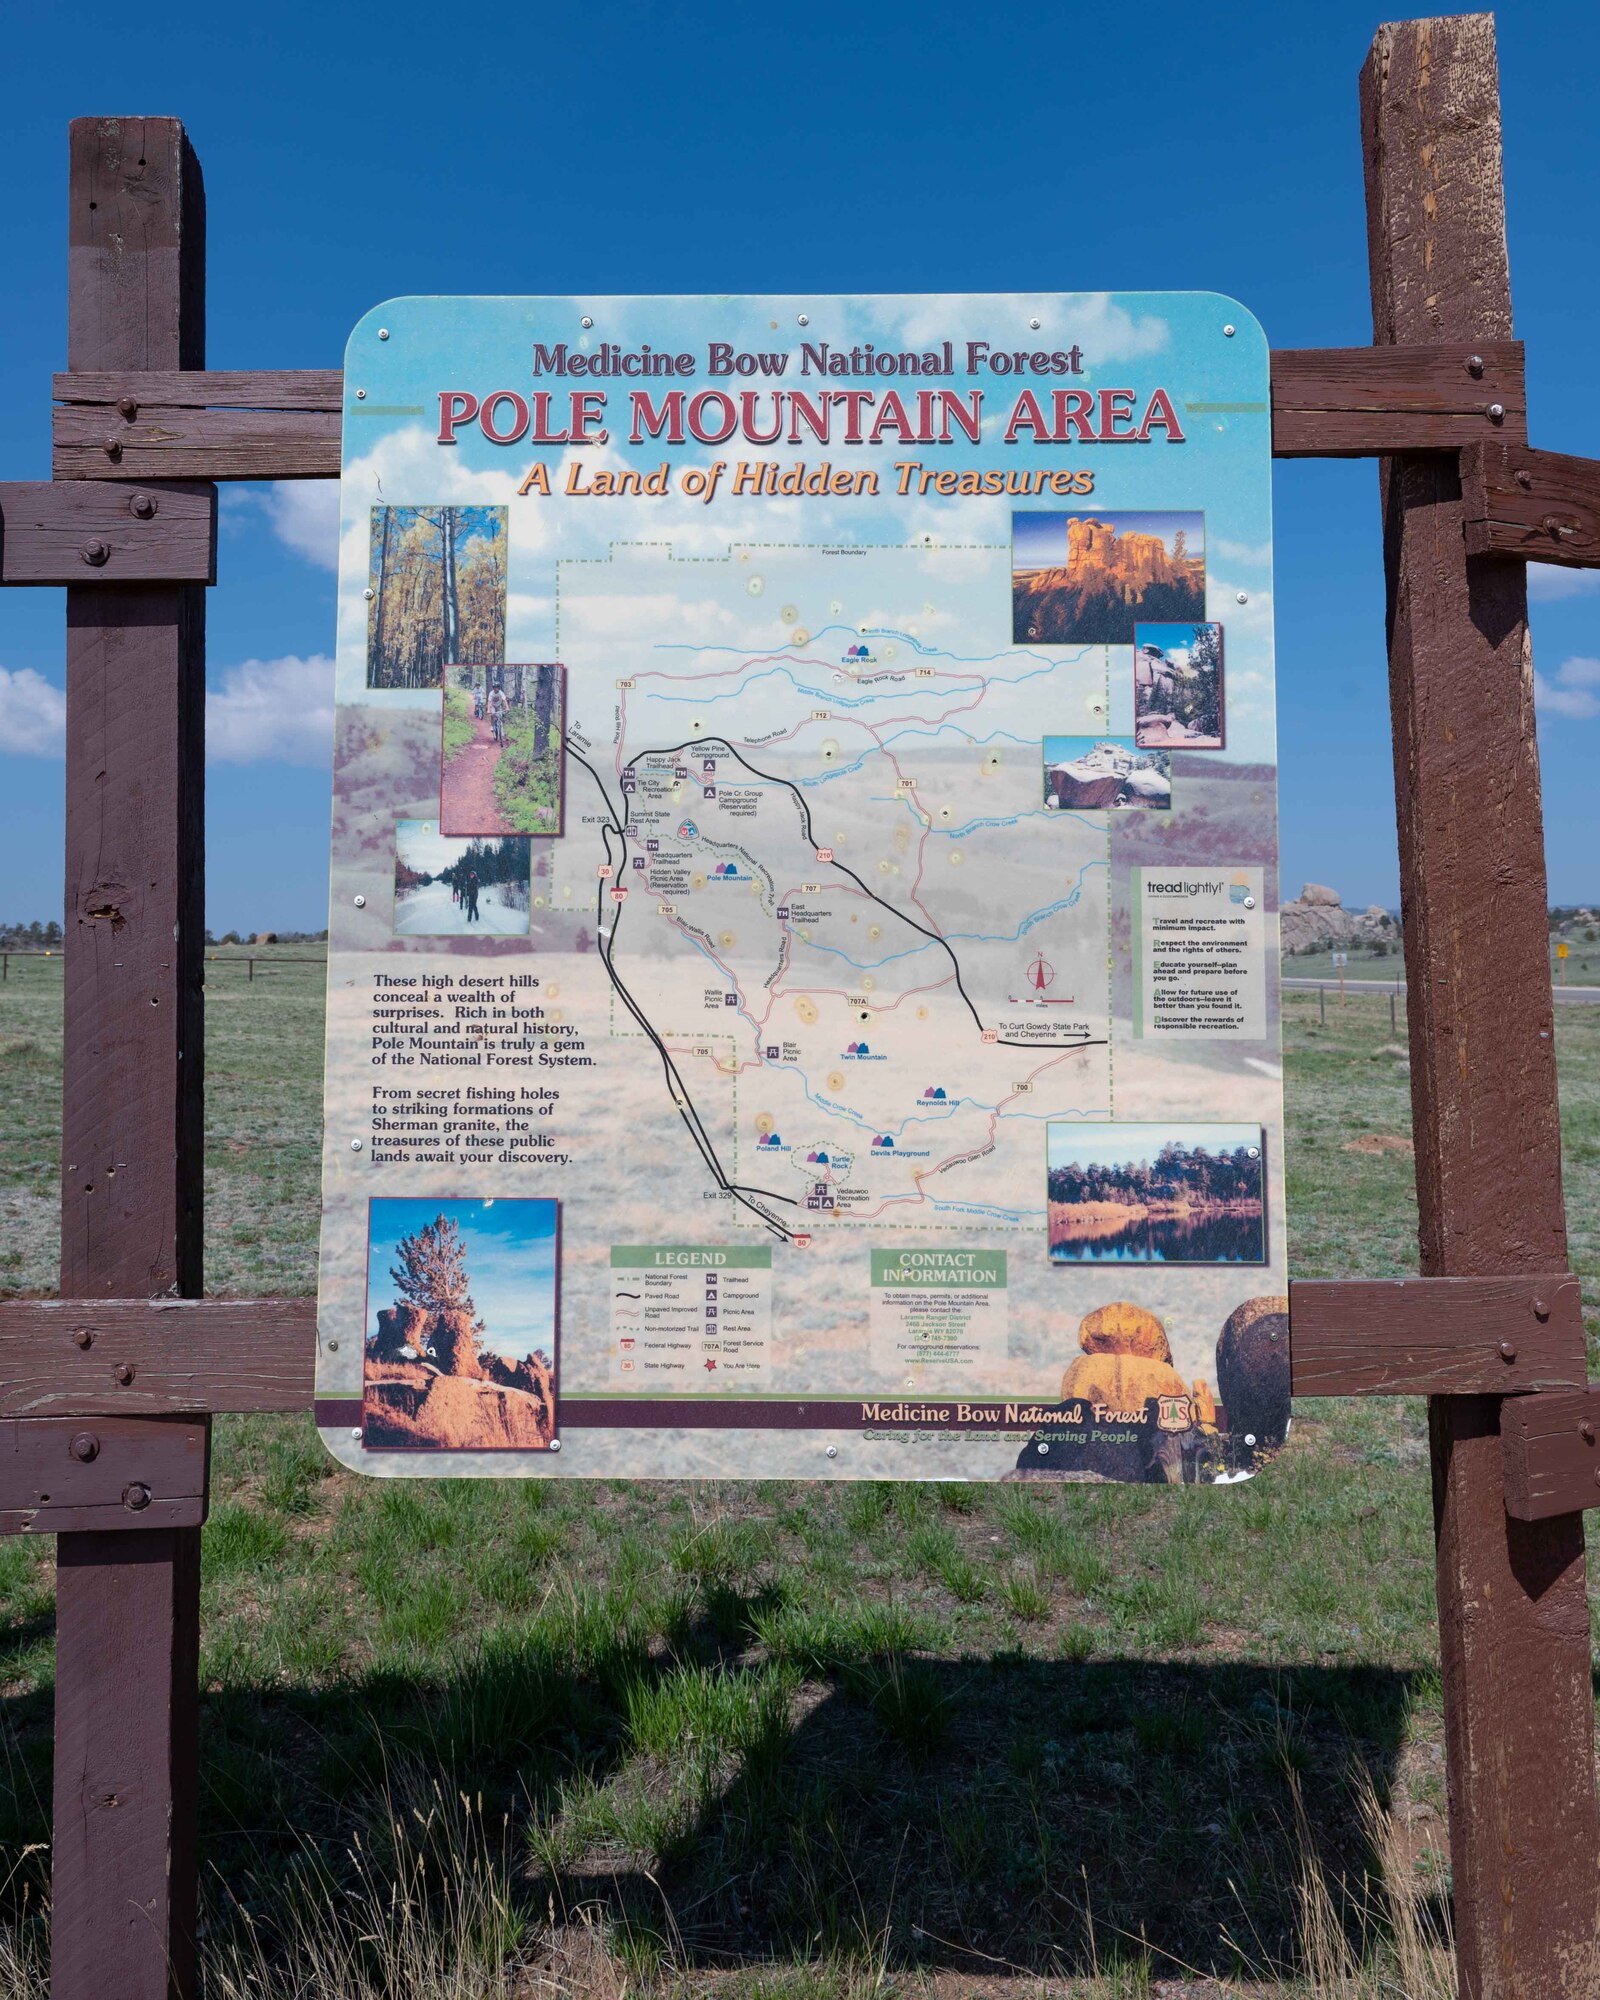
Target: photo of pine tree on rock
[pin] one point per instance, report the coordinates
(461, 1325)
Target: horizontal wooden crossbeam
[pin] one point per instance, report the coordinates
(202, 388)
(204, 424)
(84, 531)
(1550, 1454)
(1350, 1337)
(128, 1356)
(1543, 506)
(1436, 1336)
(1366, 402)
(70, 1475)
(1338, 402)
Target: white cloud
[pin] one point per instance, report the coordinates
(272, 711)
(305, 517)
(1104, 330)
(1254, 616)
(1243, 552)
(1573, 692)
(1548, 581)
(33, 714)
(302, 513)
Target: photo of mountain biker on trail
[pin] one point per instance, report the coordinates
(501, 759)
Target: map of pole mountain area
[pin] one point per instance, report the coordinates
(832, 925)
(802, 977)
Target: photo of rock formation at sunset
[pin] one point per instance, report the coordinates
(461, 1340)
(1088, 579)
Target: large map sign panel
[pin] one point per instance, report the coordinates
(802, 967)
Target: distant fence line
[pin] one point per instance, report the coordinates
(248, 960)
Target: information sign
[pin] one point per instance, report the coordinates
(803, 980)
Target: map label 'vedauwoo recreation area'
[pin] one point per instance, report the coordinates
(802, 967)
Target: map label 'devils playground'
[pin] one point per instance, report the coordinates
(802, 979)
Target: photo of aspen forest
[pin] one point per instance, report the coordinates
(437, 578)
(501, 758)
(1088, 579)
(1156, 1194)
(462, 1357)
(459, 888)
(1177, 687)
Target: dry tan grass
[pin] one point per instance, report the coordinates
(1398, 1948)
(430, 1911)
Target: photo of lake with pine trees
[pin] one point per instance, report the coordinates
(1157, 1194)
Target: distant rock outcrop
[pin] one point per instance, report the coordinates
(1318, 921)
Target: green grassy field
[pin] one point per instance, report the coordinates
(782, 1738)
(1363, 965)
(1581, 968)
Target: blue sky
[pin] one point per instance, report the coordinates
(1116, 1145)
(511, 1264)
(351, 157)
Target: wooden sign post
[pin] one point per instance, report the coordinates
(107, 1389)
(127, 1618)
(1513, 1610)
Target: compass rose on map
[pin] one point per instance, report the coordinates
(1040, 975)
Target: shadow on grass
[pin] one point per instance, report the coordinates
(712, 1803)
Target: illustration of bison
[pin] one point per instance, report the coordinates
(1253, 1380)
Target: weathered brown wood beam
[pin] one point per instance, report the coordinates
(1436, 1336)
(1351, 1337)
(70, 1475)
(165, 442)
(80, 1356)
(1541, 506)
(1512, 1594)
(202, 388)
(1335, 402)
(90, 531)
(1549, 1452)
(1359, 402)
(124, 1883)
